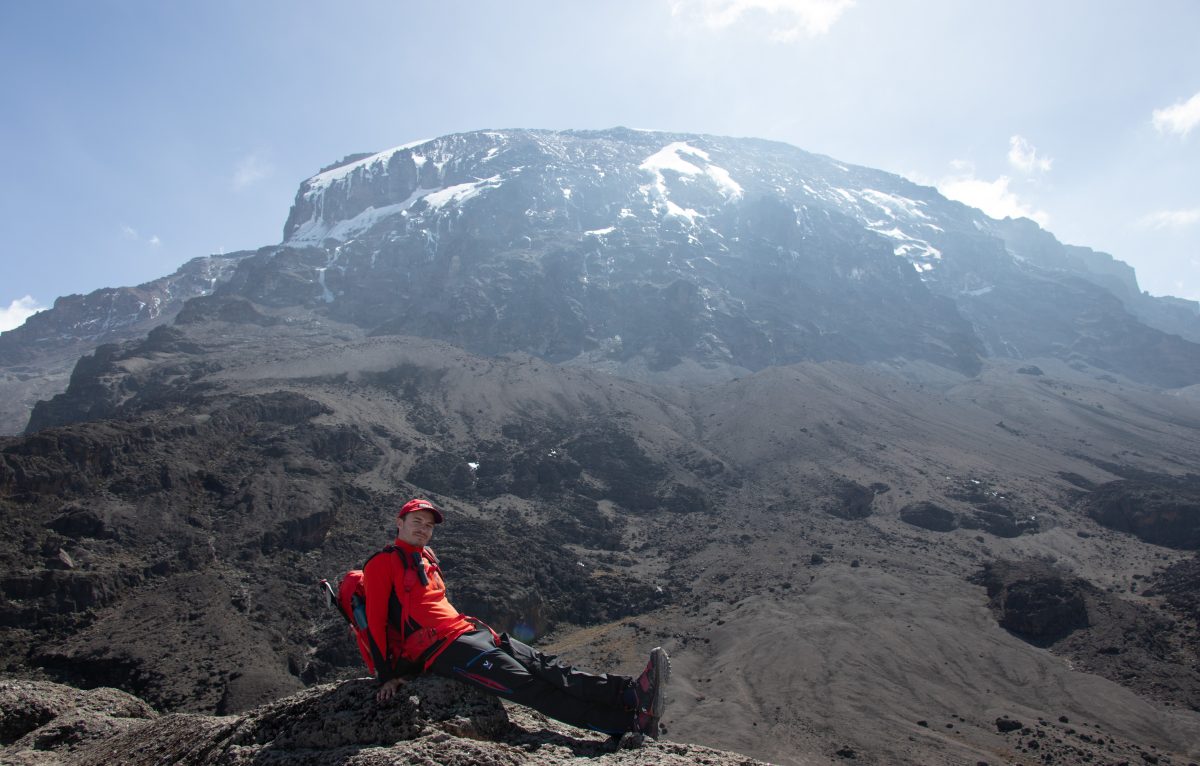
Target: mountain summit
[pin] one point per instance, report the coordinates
(641, 251)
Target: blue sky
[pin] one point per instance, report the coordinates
(140, 133)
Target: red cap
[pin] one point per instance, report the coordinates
(420, 505)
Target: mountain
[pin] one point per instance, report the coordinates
(893, 482)
(36, 358)
(643, 250)
(645, 253)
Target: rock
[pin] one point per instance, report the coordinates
(38, 715)
(931, 516)
(1164, 510)
(431, 720)
(1033, 601)
(1005, 724)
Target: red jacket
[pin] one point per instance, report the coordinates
(414, 621)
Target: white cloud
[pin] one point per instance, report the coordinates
(992, 197)
(1170, 219)
(249, 171)
(18, 311)
(789, 19)
(133, 235)
(1178, 118)
(1024, 157)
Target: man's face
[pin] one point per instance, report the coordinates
(416, 528)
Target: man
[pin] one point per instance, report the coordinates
(414, 628)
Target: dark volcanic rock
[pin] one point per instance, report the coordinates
(848, 500)
(1005, 724)
(1033, 601)
(1123, 640)
(41, 716)
(1163, 510)
(1179, 584)
(929, 516)
(431, 720)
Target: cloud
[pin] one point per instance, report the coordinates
(1178, 118)
(249, 171)
(133, 235)
(1170, 219)
(789, 19)
(18, 311)
(1024, 157)
(995, 198)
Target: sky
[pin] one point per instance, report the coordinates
(138, 134)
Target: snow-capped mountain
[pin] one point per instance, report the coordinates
(642, 249)
(651, 254)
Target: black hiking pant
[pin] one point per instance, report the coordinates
(522, 674)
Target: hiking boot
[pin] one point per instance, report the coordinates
(630, 740)
(650, 693)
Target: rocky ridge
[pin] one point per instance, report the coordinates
(36, 358)
(431, 721)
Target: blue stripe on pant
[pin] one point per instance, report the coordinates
(522, 674)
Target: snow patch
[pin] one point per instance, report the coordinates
(316, 230)
(322, 181)
(891, 202)
(460, 193)
(670, 157)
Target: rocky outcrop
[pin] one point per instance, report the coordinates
(431, 720)
(1122, 639)
(1164, 510)
(1034, 602)
(43, 722)
(931, 516)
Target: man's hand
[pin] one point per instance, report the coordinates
(388, 689)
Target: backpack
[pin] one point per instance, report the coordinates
(351, 600)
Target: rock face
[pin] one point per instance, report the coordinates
(432, 720)
(36, 358)
(642, 250)
(929, 516)
(1163, 510)
(1035, 603)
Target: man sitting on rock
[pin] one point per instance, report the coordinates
(414, 628)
